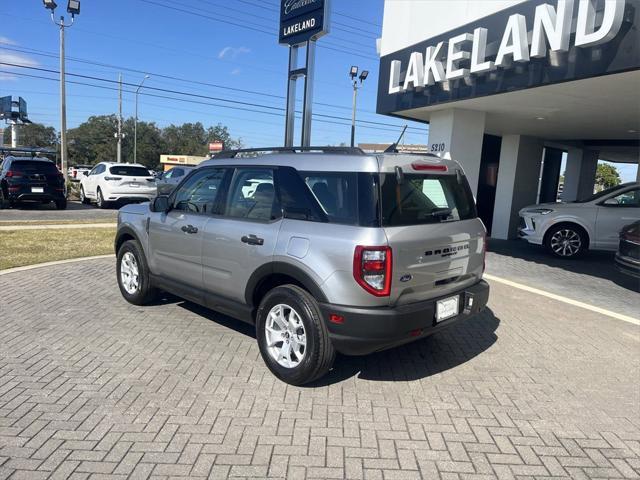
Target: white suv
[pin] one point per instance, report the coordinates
(117, 182)
(569, 229)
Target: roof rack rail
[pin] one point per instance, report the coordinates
(343, 150)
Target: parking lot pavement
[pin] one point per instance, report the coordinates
(48, 213)
(592, 279)
(91, 386)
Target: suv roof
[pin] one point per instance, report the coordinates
(331, 159)
(39, 159)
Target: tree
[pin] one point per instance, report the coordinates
(607, 176)
(194, 139)
(34, 135)
(150, 143)
(93, 141)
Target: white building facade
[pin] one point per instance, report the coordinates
(508, 86)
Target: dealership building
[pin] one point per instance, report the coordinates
(510, 87)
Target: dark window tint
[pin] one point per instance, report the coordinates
(199, 194)
(630, 198)
(337, 194)
(129, 171)
(296, 199)
(34, 166)
(421, 199)
(600, 194)
(177, 172)
(252, 195)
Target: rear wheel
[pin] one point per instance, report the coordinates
(100, 200)
(292, 337)
(566, 241)
(83, 197)
(61, 204)
(133, 274)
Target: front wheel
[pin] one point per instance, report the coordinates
(566, 241)
(292, 337)
(133, 274)
(100, 203)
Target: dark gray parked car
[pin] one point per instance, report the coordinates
(323, 252)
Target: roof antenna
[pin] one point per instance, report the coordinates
(393, 148)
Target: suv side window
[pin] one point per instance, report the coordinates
(177, 172)
(199, 193)
(252, 195)
(94, 170)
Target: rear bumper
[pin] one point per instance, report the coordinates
(368, 330)
(36, 197)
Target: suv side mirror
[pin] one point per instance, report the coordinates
(160, 204)
(86, 174)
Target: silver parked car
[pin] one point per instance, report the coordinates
(323, 249)
(168, 180)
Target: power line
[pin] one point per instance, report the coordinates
(274, 111)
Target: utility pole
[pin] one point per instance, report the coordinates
(135, 126)
(73, 8)
(119, 134)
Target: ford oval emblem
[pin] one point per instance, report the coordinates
(406, 278)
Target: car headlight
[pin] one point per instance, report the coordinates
(541, 211)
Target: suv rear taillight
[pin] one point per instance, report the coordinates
(372, 268)
(14, 174)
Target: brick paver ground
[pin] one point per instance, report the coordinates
(92, 387)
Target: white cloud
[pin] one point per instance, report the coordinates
(236, 71)
(17, 59)
(232, 52)
(7, 41)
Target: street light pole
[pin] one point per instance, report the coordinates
(135, 125)
(353, 73)
(119, 133)
(73, 7)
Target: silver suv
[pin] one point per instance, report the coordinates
(325, 250)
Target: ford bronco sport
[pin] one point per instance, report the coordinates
(325, 250)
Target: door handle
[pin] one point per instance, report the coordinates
(189, 229)
(252, 240)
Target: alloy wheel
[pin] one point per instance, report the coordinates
(129, 273)
(285, 335)
(566, 242)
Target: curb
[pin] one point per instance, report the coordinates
(51, 264)
(62, 226)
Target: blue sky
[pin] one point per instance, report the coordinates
(225, 49)
(202, 41)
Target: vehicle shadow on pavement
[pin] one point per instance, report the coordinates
(442, 351)
(593, 263)
(28, 206)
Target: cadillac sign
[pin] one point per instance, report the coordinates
(303, 20)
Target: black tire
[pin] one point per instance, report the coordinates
(319, 353)
(566, 240)
(83, 197)
(145, 292)
(4, 201)
(100, 203)
(61, 204)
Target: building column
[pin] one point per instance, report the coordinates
(550, 175)
(458, 134)
(638, 172)
(520, 160)
(580, 174)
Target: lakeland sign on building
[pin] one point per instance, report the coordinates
(506, 83)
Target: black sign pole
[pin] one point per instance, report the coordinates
(290, 119)
(307, 112)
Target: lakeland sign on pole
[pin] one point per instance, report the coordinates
(302, 22)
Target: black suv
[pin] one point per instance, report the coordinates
(31, 179)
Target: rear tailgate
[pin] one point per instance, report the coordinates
(129, 178)
(429, 216)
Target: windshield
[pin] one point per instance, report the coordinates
(598, 195)
(423, 199)
(129, 171)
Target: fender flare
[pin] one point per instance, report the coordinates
(285, 269)
(126, 230)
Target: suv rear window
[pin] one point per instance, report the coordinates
(34, 166)
(129, 171)
(423, 199)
